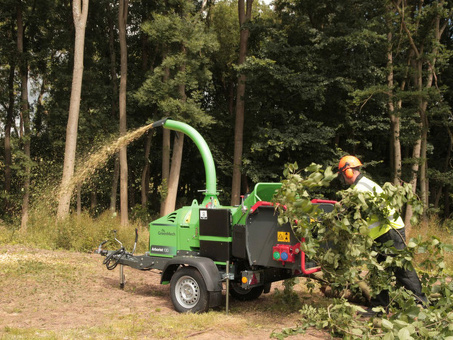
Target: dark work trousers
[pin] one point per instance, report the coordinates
(406, 278)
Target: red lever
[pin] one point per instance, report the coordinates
(302, 264)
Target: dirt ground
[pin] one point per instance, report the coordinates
(60, 294)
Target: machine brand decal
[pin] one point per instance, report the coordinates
(283, 236)
(164, 232)
(162, 250)
(203, 215)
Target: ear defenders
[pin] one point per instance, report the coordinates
(349, 173)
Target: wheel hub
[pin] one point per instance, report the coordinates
(188, 292)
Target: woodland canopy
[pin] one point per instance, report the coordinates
(323, 78)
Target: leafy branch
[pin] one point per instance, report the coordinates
(338, 241)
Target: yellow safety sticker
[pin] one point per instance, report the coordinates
(283, 236)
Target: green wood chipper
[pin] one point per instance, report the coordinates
(206, 248)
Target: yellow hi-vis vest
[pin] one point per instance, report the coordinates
(376, 228)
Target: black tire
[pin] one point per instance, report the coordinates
(241, 294)
(188, 291)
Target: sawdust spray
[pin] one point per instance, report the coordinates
(99, 158)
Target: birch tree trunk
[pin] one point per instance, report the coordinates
(80, 13)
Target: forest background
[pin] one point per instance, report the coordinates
(265, 84)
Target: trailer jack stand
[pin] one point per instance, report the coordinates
(227, 286)
(122, 281)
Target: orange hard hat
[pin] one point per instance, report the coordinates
(348, 162)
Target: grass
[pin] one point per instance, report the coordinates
(31, 272)
(133, 326)
(76, 233)
(34, 281)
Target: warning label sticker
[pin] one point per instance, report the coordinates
(203, 215)
(283, 236)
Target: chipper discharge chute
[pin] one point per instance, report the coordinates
(204, 247)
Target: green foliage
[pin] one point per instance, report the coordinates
(339, 242)
(287, 300)
(141, 214)
(186, 45)
(316, 82)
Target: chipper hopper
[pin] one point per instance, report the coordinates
(202, 248)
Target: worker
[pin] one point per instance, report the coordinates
(349, 169)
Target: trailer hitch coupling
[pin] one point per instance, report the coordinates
(113, 257)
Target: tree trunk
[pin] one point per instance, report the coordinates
(165, 168)
(413, 182)
(113, 77)
(173, 182)
(7, 141)
(80, 18)
(115, 179)
(145, 61)
(394, 118)
(145, 172)
(424, 165)
(423, 55)
(244, 16)
(25, 115)
(131, 190)
(429, 83)
(79, 199)
(122, 19)
(173, 179)
(165, 152)
(114, 110)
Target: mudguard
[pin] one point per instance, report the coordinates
(205, 266)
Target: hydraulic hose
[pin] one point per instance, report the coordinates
(112, 260)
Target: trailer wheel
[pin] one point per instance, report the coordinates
(241, 294)
(188, 291)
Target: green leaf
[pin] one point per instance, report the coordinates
(411, 244)
(357, 331)
(404, 334)
(432, 334)
(387, 324)
(388, 336)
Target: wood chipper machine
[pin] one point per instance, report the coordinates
(202, 248)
